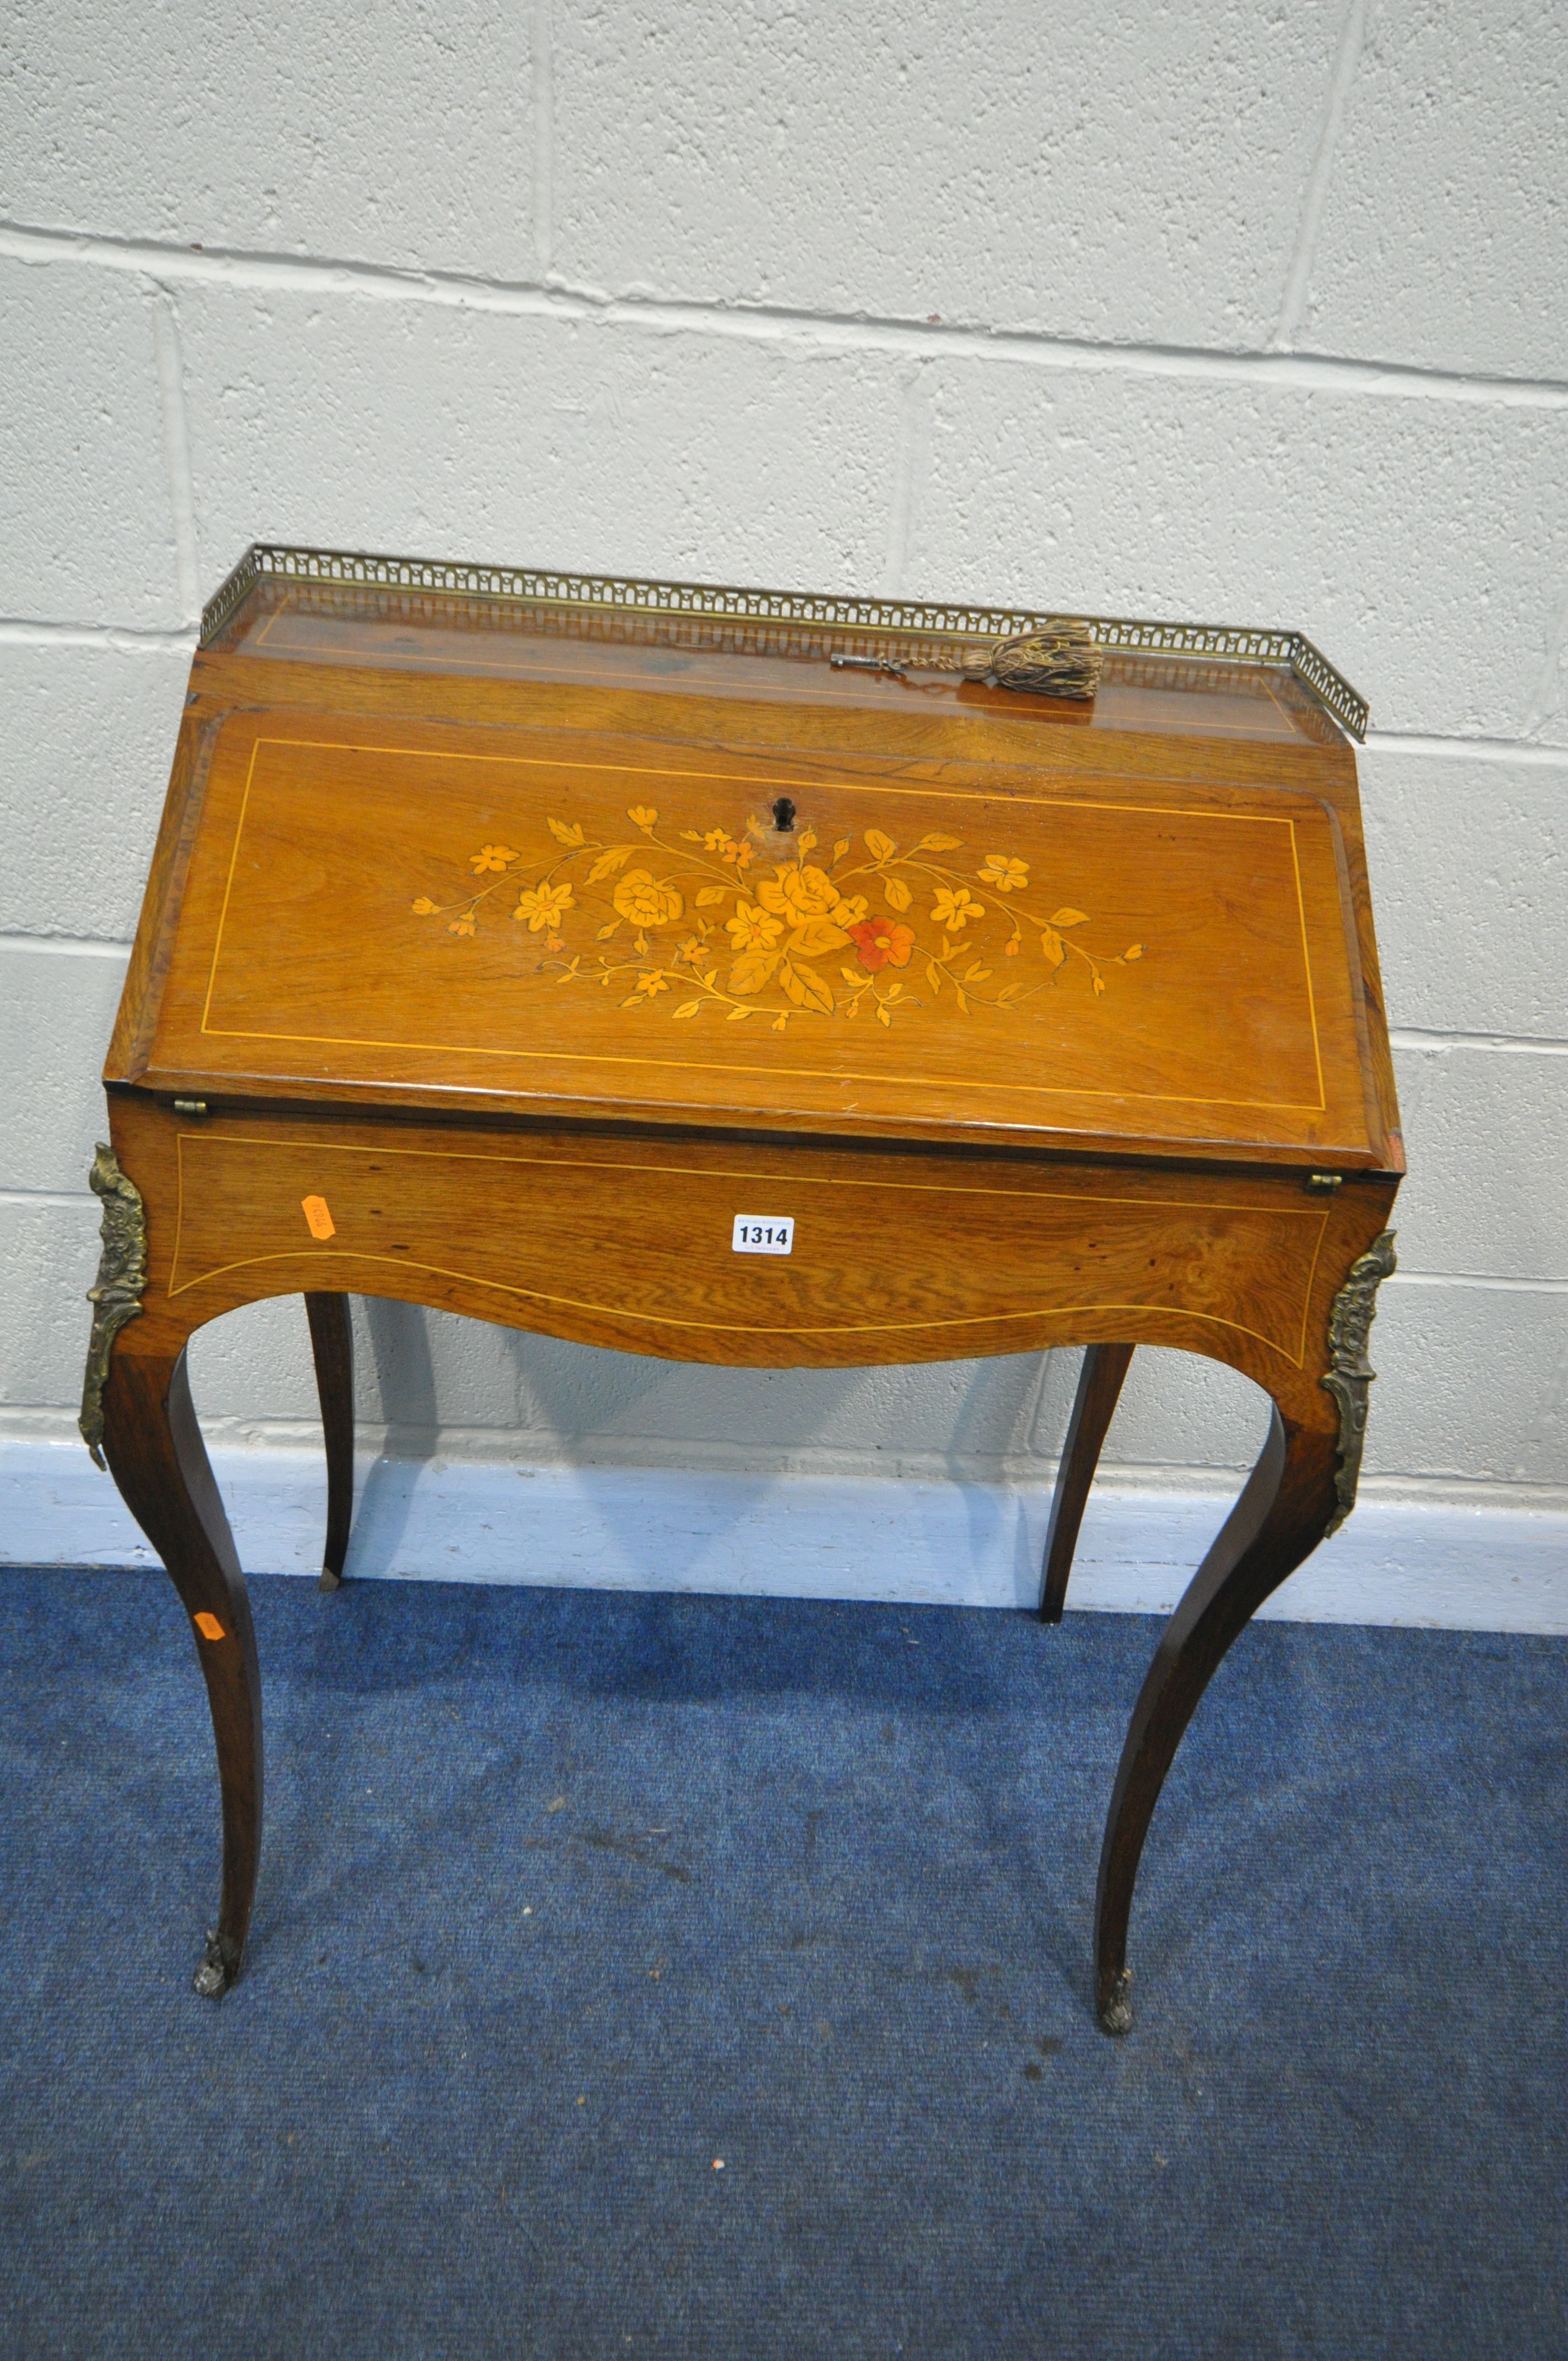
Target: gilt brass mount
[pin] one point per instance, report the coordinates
(122, 1276)
(1351, 1373)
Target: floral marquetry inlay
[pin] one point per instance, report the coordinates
(705, 924)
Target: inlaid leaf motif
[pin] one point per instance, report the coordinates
(687, 1008)
(565, 833)
(938, 845)
(707, 896)
(806, 987)
(880, 846)
(896, 893)
(817, 937)
(1053, 947)
(1070, 917)
(752, 970)
(607, 863)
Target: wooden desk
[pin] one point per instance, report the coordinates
(537, 948)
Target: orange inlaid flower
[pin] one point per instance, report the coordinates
(881, 942)
(543, 905)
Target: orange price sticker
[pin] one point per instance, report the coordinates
(208, 1626)
(317, 1217)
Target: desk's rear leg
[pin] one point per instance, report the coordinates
(1281, 1516)
(155, 1452)
(332, 1341)
(1100, 1384)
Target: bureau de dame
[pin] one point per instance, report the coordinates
(521, 944)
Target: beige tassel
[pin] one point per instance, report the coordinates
(1060, 660)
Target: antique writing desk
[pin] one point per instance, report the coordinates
(756, 979)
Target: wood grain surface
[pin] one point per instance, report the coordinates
(898, 1255)
(594, 915)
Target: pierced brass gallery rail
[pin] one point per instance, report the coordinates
(1225, 643)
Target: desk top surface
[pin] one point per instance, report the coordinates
(426, 852)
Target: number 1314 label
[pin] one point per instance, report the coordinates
(760, 1233)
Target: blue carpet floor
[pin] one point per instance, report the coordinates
(567, 1896)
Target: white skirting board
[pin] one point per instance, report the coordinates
(1436, 1563)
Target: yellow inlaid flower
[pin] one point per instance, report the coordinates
(424, 906)
(753, 929)
(463, 925)
(850, 910)
(491, 856)
(1008, 876)
(641, 815)
(797, 894)
(652, 983)
(543, 905)
(640, 898)
(719, 840)
(954, 907)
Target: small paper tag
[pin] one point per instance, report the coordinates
(208, 1626)
(763, 1234)
(321, 1225)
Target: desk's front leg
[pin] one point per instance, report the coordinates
(1287, 1507)
(156, 1455)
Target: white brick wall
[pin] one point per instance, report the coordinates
(1229, 313)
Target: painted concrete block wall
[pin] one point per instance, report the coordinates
(1230, 312)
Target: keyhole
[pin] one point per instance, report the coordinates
(784, 816)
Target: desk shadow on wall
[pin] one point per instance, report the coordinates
(724, 1449)
(404, 1368)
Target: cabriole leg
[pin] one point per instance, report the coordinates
(1100, 1384)
(332, 1341)
(155, 1452)
(1283, 1512)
